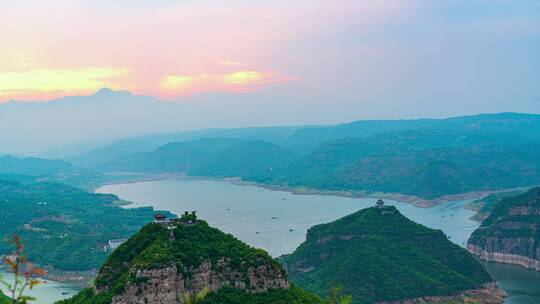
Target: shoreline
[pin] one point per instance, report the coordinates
(405, 198)
(79, 279)
(504, 258)
(414, 200)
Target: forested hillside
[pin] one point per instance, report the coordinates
(66, 227)
(377, 254)
(173, 261)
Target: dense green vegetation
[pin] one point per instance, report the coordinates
(66, 227)
(401, 165)
(194, 242)
(377, 254)
(485, 205)
(4, 299)
(520, 224)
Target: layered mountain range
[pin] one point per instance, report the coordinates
(429, 159)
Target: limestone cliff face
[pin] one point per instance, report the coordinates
(489, 254)
(168, 285)
(511, 233)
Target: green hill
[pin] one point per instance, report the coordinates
(66, 227)
(425, 163)
(180, 157)
(164, 262)
(377, 254)
(251, 160)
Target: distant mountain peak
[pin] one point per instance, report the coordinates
(108, 92)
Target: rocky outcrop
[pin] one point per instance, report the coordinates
(489, 294)
(510, 234)
(169, 285)
(505, 258)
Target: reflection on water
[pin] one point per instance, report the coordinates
(522, 286)
(278, 221)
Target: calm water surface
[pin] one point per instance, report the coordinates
(278, 221)
(46, 293)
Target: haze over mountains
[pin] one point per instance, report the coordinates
(73, 125)
(81, 120)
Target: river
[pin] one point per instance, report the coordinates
(278, 221)
(46, 293)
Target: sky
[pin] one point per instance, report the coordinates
(342, 59)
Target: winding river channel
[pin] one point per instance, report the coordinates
(278, 221)
(265, 218)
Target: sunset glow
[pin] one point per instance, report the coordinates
(240, 81)
(68, 81)
(352, 51)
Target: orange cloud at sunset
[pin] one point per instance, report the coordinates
(164, 49)
(239, 81)
(43, 83)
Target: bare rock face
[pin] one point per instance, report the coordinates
(169, 285)
(490, 255)
(511, 234)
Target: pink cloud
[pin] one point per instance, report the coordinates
(155, 41)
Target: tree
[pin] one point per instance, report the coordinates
(198, 298)
(337, 297)
(25, 274)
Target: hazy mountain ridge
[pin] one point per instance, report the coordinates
(34, 166)
(428, 163)
(100, 156)
(307, 139)
(62, 121)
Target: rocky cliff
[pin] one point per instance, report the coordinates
(168, 285)
(511, 233)
(167, 262)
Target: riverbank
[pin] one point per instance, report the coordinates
(504, 258)
(411, 199)
(80, 279)
(489, 294)
(417, 201)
